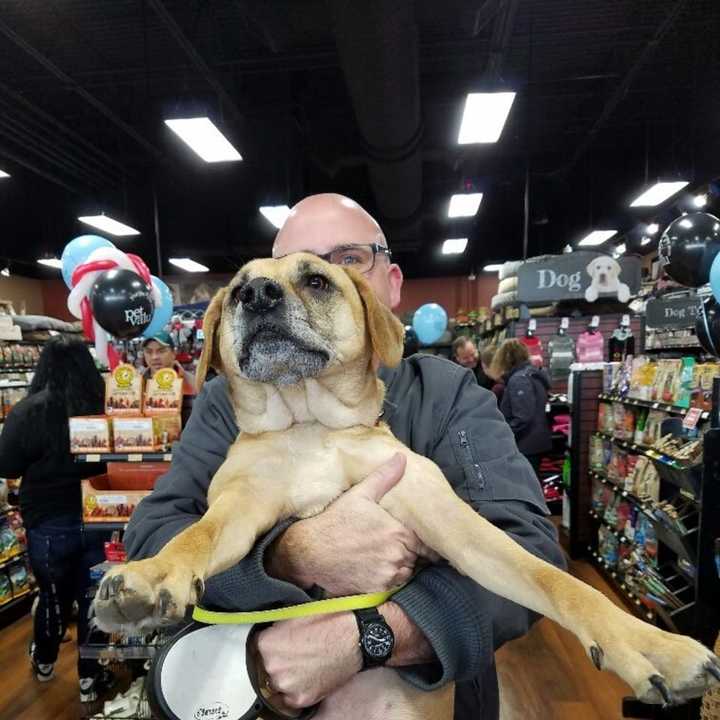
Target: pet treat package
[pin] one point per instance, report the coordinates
(652, 427)
(91, 434)
(685, 388)
(640, 421)
(619, 420)
(163, 393)
(5, 588)
(19, 578)
(123, 391)
(103, 504)
(166, 431)
(595, 454)
(133, 434)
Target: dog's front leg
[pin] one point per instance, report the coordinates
(659, 666)
(153, 592)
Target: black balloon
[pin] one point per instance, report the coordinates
(707, 326)
(122, 303)
(688, 247)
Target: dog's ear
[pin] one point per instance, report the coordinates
(210, 356)
(591, 268)
(386, 331)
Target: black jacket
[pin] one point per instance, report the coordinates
(436, 408)
(50, 486)
(523, 405)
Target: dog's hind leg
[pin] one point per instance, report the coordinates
(156, 591)
(659, 666)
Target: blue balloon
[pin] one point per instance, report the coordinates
(715, 277)
(163, 312)
(77, 252)
(429, 323)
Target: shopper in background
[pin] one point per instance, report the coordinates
(524, 400)
(486, 361)
(35, 445)
(465, 353)
(159, 353)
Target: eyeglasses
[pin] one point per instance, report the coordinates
(360, 257)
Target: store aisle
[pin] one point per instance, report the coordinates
(543, 676)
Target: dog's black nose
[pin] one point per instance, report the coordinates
(261, 295)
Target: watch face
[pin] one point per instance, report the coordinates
(378, 641)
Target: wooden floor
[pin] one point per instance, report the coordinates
(543, 676)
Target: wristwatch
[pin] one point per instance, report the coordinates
(376, 638)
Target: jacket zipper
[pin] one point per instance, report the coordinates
(465, 445)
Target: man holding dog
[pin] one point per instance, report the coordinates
(445, 626)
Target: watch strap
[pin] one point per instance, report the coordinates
(365, 617)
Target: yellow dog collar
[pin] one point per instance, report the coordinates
(308, 609)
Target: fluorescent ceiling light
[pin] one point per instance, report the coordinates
(646, 241)
(484, 117)
(276, 214)
(51, 262)
(620, 249)
(3, 174)
(188, 265)
(465, 205)
(108, 225)
(700, 200)
(204, 139)
(454, 247)
(658, 193)
(652, 228)
(492, 268)
(597, 237)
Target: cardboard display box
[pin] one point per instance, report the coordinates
(133, 434)
(103, 504)
(90, 434)
(163, 393)
(123, 391)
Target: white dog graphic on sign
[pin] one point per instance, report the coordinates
(605, 278)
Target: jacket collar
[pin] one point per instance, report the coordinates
(388, 376)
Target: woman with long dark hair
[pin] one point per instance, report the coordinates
(35, 445)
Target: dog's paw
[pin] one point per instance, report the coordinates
(661, 667)
(145, 594)
(623, 294)
(591, 294)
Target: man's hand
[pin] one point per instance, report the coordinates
(354, 546)
(305, 660)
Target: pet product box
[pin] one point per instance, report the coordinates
(90, 434)
(163, 393)
(135, 476)
(166, 430)
(103, 504)
(133, 434)
(123, 391)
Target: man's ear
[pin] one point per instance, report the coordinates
(386, 331)
(210, 356)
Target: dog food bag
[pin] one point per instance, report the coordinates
(652, 427)
(123, 391)
(133, 434)
(659, 381)
(163, 393)
(90, 434)
(686, 382)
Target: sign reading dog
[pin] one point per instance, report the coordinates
(578, 276)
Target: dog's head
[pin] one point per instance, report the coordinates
(281, 321)
(604, 271)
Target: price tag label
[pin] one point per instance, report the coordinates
(655, 406)
(135, 457)
(692, 418)
(92, 458)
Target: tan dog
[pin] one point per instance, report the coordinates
(299, 341)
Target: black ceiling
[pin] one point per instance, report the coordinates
(359, 98)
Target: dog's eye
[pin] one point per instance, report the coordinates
(317, 282)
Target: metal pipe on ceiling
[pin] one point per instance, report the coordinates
(20, 128)
(378, 46)
(11, 155)
(30, 143)
(625, 84)
(103, 109)
(194, 56)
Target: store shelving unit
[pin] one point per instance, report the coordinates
(125, 457)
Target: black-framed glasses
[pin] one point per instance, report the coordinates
(360, 257)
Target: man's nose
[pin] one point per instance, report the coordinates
(261, 295)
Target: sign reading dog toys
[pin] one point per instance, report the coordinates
(582, 275)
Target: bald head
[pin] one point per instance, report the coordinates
(322, 223)
(326, 221)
